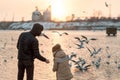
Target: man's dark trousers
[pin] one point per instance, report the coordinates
(28, 66)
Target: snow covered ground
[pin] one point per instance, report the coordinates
(109, 67)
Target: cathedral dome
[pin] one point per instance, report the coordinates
(36, 15)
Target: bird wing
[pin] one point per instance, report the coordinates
(93, 39)
(45, 36)
(84, 37)
(89, 50)
(56, 32)
(73, 54)
(94, 49)
(87, 66)
(77, 44)
(98, 50)
(65, 33)
(77, 38)
(106, 4)
(74, 61)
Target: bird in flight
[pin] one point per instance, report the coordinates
(83, 40)
(72, 55)
(86, 39)
(94, 52)
(81, 44)
(97, 62)
(81, 64)
(106, 4)
(45, 35)
(60, 34)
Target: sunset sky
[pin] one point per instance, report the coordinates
(60, 8)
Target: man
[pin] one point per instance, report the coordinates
(28, 50)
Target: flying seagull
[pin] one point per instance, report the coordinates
(45, 35)
(106, 4)
(108, 54)
(86, 39)
(72, 55)
(82, 67)
(94, 52)
(60, 34)
(80, 45)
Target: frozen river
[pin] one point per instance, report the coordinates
(110, 46)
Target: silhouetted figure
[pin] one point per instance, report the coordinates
(28, 50)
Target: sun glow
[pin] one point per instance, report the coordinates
(58, 12)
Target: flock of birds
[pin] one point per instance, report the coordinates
(79, 62)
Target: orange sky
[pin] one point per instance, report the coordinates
(60, 8)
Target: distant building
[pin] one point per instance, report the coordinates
(47, 14)
(37, 16)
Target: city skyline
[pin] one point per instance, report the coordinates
(18, 9)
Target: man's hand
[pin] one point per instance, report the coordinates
(47, 61)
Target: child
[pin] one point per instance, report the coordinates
(61, 65)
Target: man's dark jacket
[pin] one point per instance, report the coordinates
(28, 47)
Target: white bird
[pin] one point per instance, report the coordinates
(108, 54)
(80, 64)
(80, 40)
(82, 61)
(97, 62)
(86, 39)
(81, 44)
(72, 55)
(85, 68)
(60, 34)
(94, 52)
